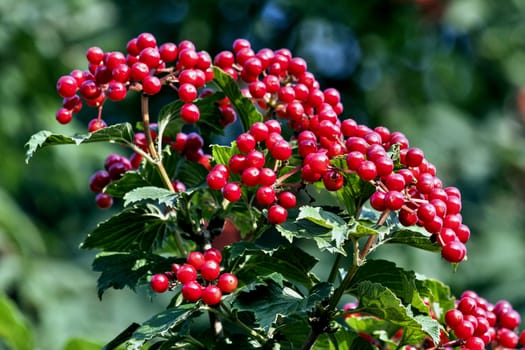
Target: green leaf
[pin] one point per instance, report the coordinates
(398, 281)
(129, 181)
(81, 344)
(328, 230)
(413, 237)
(160, 325)
(342, 339)
(437, 294)
(120, 270)
(222, 154)
(161, 195)
(14, 329)
(141, 228)
(245, 109)
(373, 326)
(377, 300)
(272, 302)
(117, 133)
(291, 262)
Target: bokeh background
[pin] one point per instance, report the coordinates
(449, 74)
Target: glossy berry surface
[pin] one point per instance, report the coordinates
(159, 283)
(211, 295)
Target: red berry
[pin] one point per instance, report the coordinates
(464, 330)
(509, 319)
(277, 214)
(454, 251)
(211, 295)
(281, 150)
(210, 270)
(146, 40)
(453, 317)
(150, 56)
(267, 177)
(245, 142)
(216, 180)
(213, 254)
(407, 217)
(227, 282)
(116, 91)
(187, 93)
(139, 71)
(94, 55)
(186, 273)
(255, 159)
(64, 115)
(333, 180)
(159, 283)
(367, 170)
(250, 176)
(168, 52)
(475, 343)
(151, 85)
(287, 199)
(104, 200)
(507, 338)
(190, 113)
(414, 157)
(394, 200)
(232, 191)
(99, 180)
(191, 291)
(67, 86)
(426, 212)
(196, 259)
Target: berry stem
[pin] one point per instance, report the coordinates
(151, 145)
(287, 175)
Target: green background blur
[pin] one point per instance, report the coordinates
(446, 73)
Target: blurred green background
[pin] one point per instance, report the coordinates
(449, 74)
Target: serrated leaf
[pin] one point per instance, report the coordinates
(117, 133)
(245, 109)
(413, 237)
(377, 300)
(120, 270)
(160, 325)
(437, 294)
(289, 261)
(142, 228)
(268, 303)
(222, 154)
(328, 230)
(161, 195)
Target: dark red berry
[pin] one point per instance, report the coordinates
(277, 214)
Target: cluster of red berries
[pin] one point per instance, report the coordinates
(115, 166)
(478, 323)
(206, 264)
(280, 85)
(144, 67)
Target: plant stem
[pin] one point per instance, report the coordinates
(151, 145)
(335, 266)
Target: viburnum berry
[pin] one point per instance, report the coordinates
(187, 92)
(210, 270)
(96, 124)
(99, 180)
(216, 180)
(232, 191)
(64, 115)
(190, 113)
(104, 200)
(186, 273)
(227, 282)
(67, 86)
(333, 180)
(159, 283)
(196, 259)
(211, 295)
(287, 199)
(191, 291)
(151, 85)
(454, 251)
(277, 214)
(213, 254)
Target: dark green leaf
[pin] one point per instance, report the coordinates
(126, 183)
(289, 261)
(120, 270)
(118, 133)
(246, 110)
(397, 280)
(373, 326)
(271, 302)
(160, 324)
(412, 237)
(143, 228)
(437, 294)
(342, 339)
(377, 300)
(222, 154)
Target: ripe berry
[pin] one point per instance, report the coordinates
(507, 338)
(277, 214)
(464, 330)
(367, 170)
(168, 52)
(232, 191)
(454, 251)
(99, 180)
(245, 142)
(67, 86)
(64, 115)
(151, 85)
(211, 295)
(116, 91)
(250, 176)
(146, 40)
(394, 200)
(509, 319)
(196, 259)
(287, 199)
(453, 317)
(104, 200)
(94, 55)
(191, 291)
(414, 157)
(227, 282)
(187, 92)
(190, 113)
(475, 343)
(159, 283)
(216, 180)
(333, 180)
(150, 56)
(186, 273)
(210, 270)
(213, 254)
